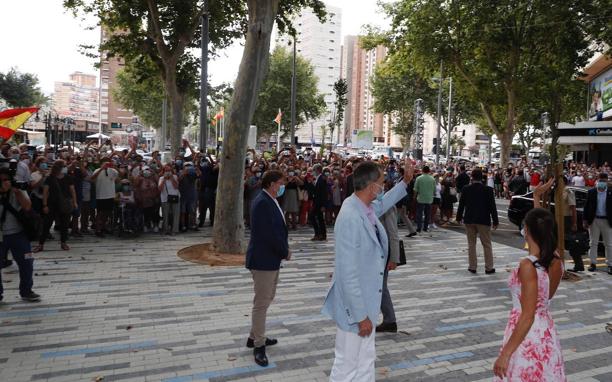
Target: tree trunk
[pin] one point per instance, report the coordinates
(228, 231)
(505, 141)
(177, 101)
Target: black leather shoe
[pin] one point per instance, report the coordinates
(490, 272)
(390, 327)
(269, 342)
(576, 269)
(411, 234)
(592, 268)
(472, 270)
(260, 356)
(610, 270)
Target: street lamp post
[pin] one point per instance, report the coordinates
(204, 82)
(439, 116)
(293, 92)
(418, 122)
(449, 125)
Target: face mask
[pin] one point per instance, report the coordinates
(89, 160)
(602, 186)
(43, 166)
(146, 173)
(281, 191)
(298, 173)
(64, 170)
(258, 174)
(15, 156)
(291, 173)
(381, 194)
(126, 188)
(167, 174)
(26, 161)
(179, 163)
(523, 232)
(326, 173)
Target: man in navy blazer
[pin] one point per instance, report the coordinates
(598, 220)
(267, 247)
(361, 250)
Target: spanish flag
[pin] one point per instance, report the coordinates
(278, 117)
(220, 114)
(12, 119)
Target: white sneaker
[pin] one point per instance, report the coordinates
(156, 229)
(433, 226)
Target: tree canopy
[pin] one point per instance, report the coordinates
(275, 92)
(20, 89)
(493, 50)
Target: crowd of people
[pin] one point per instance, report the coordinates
(103, 191)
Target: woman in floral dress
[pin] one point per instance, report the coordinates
(531, 350)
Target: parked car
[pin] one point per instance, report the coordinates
(521, 204)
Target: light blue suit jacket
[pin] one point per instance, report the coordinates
(361, 258)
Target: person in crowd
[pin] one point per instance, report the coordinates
(463, 179)
(147, 198)
(449, 197)
(187, 188)
(13, 239)
(291, 202)
(59, 201)
(437, 202)
(104, 178)
(498, 183)
(578, 179)
(87, 203)
(127, 206)
(39, 175)
(534, 179)
(308, 192)
(598, 220)
(424, 190)
(268, 246)
(319, 202)
(170, 200)
(518, 185)
(478, 203)
(209, 179)
(361, 250)
(389, 222)
(531, 346)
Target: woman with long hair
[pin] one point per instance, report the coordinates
(531, 350)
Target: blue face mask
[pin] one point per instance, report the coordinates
(44, 166)
(281, 191)
(602, 186)
(381, 194)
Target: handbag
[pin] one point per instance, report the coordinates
(172, 199)
(402, 253)
(29, 220)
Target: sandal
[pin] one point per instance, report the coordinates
(65, 247)
(38, 248)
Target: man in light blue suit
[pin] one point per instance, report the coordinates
(361, 251)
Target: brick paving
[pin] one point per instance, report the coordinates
(130, 310)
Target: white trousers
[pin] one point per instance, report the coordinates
(355, 358)
(600, 226)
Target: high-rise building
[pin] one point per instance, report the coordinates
(358, 67)
(115, 117)
(319, 43)
(77, 98)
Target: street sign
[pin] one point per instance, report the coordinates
(148, 134)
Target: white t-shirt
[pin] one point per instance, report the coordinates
(491, 181)
(578, 181)
(168, 188)
(38, 191)
(105, 184)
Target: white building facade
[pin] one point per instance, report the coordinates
(319, 43)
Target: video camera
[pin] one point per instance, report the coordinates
(11, 164)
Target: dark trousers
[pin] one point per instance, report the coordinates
(386, 304)
(423, 209)
(61, 222)
(151, 216)
(86, 212)
(19, 245)
(318, 222)
(207, 203)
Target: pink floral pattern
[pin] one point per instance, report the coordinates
(539, 357)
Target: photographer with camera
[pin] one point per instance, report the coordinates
(13, 237)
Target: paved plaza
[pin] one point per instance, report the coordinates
(131, 310)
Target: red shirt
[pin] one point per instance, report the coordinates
(535, 179)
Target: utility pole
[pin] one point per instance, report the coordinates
(293, 91)
(439, 116)
(418, 123)
(449, 125)
(204, 82)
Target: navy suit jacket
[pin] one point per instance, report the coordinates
(590, 208)
(269, 236)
